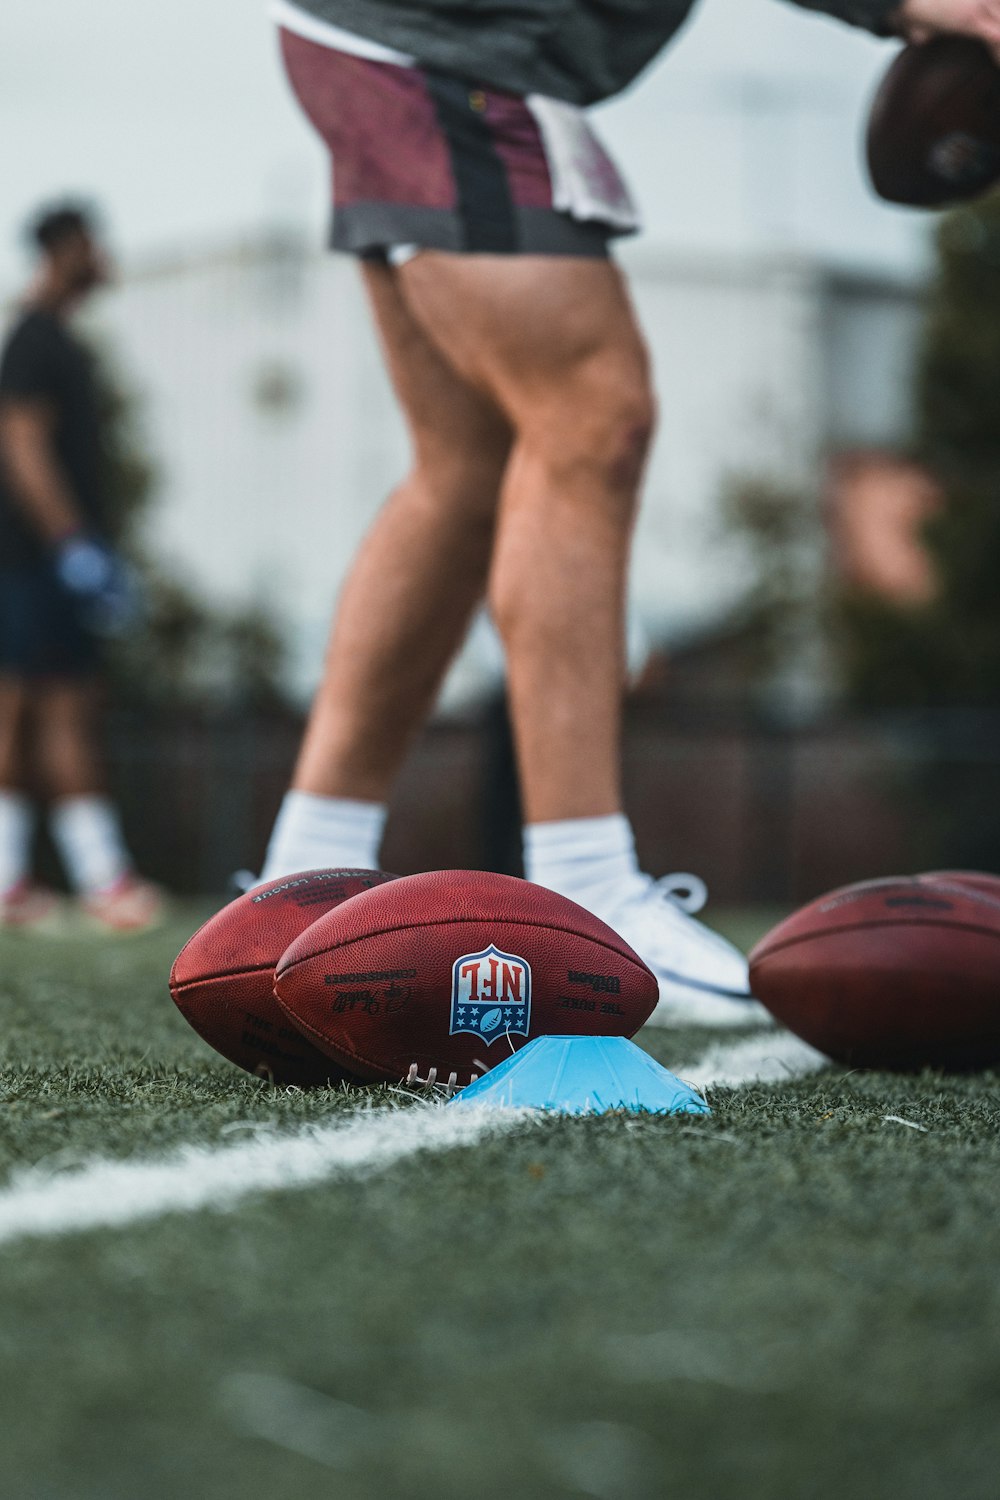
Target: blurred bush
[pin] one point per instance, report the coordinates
(186, 652)
(946, 654)
(925, 672)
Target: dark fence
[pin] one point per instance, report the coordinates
(763, 815)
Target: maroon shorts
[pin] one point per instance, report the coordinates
(423, 159)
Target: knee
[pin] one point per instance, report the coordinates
(607, 422)
(618, 418)
(13, 709)
(68, 715)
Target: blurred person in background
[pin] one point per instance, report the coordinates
(62, 590)
(482, 207)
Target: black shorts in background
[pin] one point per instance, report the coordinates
(41, 634)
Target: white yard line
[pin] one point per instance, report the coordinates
(104, 1193)
(770, 1057)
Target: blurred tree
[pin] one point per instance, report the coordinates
(942, 661)
(184, 652)
(929, 669)
(947, 653)
(782, 625)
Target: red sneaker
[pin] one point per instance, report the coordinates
(130, 905)
(28, 907)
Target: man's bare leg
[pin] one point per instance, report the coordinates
(16, 815)
(555, 343)
(83, 820)
(553, 346)
(13, 713)
(65, 738)
(420, 572)
(57, 719)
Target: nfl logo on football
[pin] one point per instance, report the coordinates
(491, 995)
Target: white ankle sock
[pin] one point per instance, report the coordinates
(316, 833)
(590, 860)
(16, 827)
(88, 835)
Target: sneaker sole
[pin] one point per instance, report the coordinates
(686, 1005)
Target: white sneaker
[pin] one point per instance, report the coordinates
(704, 980)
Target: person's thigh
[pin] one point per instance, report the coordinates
(67, 710)
(455, 426)
(13, 711)
(66, 713)
(534, 333)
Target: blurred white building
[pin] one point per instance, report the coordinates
(277, 437)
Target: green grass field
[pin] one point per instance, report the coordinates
(794, 1298)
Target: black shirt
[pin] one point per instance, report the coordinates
(577, 50)
(42, 361)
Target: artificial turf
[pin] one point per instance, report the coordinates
(794, 1298)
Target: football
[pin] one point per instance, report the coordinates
(934, 128)
(977, 878)
(222, 980)
(900, 974)
(441, 976)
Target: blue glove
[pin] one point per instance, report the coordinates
(100, 583)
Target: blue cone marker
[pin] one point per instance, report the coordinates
(582, 1075)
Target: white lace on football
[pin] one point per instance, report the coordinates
(414, 1079)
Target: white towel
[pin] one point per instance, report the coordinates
(585, 181)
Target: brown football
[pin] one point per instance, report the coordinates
(222, 980)
(979, 878)
(899, 974)
(443, 975)
(934, 128)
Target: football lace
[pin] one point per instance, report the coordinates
(414, 1079)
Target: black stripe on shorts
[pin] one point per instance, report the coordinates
(485, 205)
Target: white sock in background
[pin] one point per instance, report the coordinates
(316, 833)
(590, 860)
(17, 823)
(88, 835)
